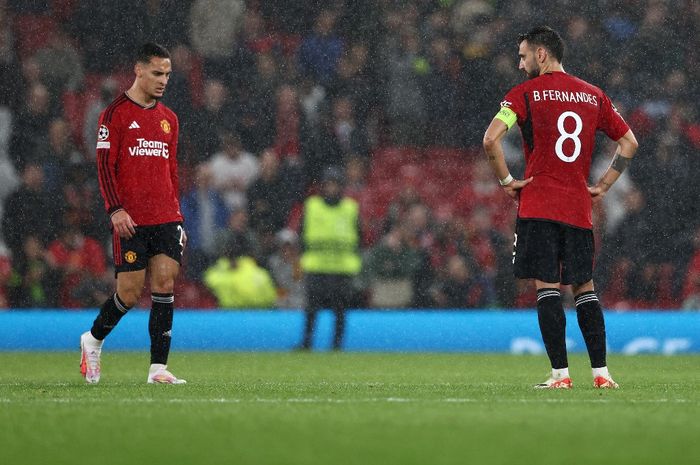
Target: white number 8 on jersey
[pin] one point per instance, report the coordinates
(559, 147)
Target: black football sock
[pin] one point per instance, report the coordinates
(550, 314)
(112, 310)
(592, 324)
(160, 325)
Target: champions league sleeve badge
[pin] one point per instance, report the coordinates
(102, 132)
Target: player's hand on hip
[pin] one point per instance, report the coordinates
(513, 188)
(123, 224)
(597, 193)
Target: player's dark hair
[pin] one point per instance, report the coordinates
(150, 50)
(546, 37)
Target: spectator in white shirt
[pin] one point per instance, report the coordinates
(233, 170)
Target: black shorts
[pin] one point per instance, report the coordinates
(552, 252)
(133, 254)
(328, 291)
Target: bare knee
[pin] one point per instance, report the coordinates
(163, 284)
(163, 271)
(129, 295)
(130, 286)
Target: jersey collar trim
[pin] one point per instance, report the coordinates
(149, 107)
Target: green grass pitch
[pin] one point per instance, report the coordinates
(346, 408)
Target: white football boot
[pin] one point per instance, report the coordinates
(90, 351)
(551, 383)
(603, 382)
(159, 374)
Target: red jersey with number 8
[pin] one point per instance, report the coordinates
(137, 161)
(559, 115)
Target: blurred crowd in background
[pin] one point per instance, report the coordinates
(397, 93)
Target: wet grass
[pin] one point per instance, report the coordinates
(346, 409)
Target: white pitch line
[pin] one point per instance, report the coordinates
(317, 400)
(42, 384)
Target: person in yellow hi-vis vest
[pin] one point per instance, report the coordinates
(238, 281)
(331, 238)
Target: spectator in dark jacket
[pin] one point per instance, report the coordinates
(269, 198)
(461, 287)
(30, 140)
(320, 51)
(30, 209)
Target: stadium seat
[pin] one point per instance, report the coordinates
(615, 294)
(62, 10)
(186, 177)
(92, 83)
(33, 32)
(665, 295)
(189, 295)
(74, 106)
(450, 155)
(410, 173)
(692, 132)
(5, 274)
(289, 44)
(642, 123)
(393, 158)
(194, 295)
(445, 153)
(196, 80)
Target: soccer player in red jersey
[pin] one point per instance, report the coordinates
(558, 115)
(137, 170)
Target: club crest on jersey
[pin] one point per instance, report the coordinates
(165, 126)
(102, 132)
(130, 256)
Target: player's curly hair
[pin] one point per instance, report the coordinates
(546, 37)
(150, 50)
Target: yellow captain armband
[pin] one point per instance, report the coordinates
(507, 115)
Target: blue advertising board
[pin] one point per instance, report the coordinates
(367, 330)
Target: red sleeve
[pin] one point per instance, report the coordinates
(108, 138)
(610, 121)
(174, 176)
(515, 100)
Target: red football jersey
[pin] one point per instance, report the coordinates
(137, 161)
(558, 115)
